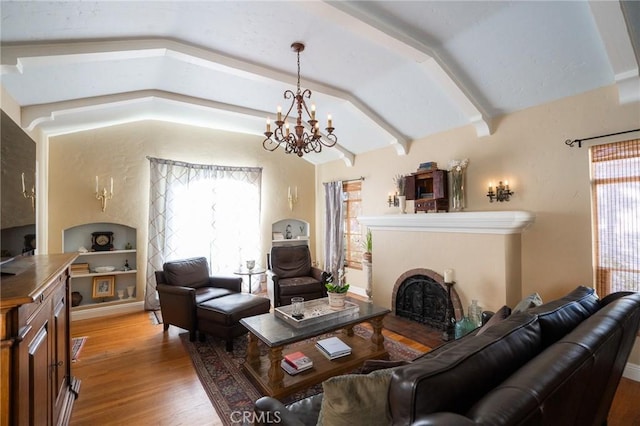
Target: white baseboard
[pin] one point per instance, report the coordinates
(358, 291)
(632, 371)
(104, 311)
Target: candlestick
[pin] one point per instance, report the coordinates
(313, 111)
(329, 121)
(268, 124)
(97, 184)
(279, 113)
(448, 275)
(23, 188)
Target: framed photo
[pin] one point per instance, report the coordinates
(104, 286)
(278, 236)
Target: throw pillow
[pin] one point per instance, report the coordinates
(499, 316)
(356, 399)
(530, 301)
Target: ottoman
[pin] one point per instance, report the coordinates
(221, 316)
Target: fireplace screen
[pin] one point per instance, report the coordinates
(420, 298)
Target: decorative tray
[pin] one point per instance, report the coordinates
(315, 311)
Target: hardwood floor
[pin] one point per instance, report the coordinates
(134, 373)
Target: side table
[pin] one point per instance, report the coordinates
(250, 273)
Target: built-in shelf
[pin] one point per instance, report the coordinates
(499, 222)
(98, 274)
(99, 253)
(78, 239)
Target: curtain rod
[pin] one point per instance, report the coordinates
(579, 141)
(350, 180)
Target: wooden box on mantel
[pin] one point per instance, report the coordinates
(429, 190)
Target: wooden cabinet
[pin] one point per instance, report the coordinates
(429, 190)
(36, 383)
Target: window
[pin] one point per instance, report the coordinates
(195, 210)
(615, 182)
(352, 231)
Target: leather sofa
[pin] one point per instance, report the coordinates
(558, 363)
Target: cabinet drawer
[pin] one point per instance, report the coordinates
(425, 205)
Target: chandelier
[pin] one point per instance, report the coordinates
(301, 141)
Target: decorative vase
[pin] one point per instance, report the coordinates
(366, 266)
(403, 203)
(336, 300)
(457, 188)
(76, 298)
(130, 291)
(366, 256)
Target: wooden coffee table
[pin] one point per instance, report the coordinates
(270, 378)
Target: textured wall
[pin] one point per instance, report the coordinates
(121, 152)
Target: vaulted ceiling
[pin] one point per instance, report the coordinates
(389, 72)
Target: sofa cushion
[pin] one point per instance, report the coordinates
(464, 372)
(298, 286)
(207, 293)
(192, 272)
(560, 316)
(294, 261)
(356, 399)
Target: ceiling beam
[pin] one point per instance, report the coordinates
(16, 57)
(35, 115)
(611, 24)
(395, 40)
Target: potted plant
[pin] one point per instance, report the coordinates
(367, 244)
(337, 291)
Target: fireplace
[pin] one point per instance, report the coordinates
(421, 295)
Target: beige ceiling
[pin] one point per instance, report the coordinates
(389, 72)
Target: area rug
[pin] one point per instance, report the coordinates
(76, 346)
(231, 391)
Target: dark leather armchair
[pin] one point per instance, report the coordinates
(182, 284)
(293, 275)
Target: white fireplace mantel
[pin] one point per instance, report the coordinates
(498, 222)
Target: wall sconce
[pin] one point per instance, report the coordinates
(393, 200)
(102, 195)
(292, 197)
(503, 193)
(31, 195)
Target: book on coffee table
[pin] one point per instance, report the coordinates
(292, 371)
(298, 361)
(333, 347)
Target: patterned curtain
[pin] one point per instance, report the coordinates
(334, 228)
(202, 210)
